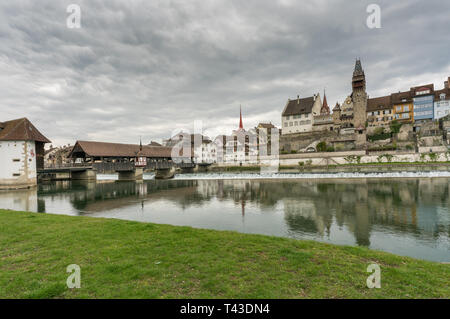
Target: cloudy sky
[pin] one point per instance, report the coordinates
(146, 68)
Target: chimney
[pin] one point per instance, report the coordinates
(298, 99)
(447, 83)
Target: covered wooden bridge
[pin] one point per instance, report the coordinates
(129, 160)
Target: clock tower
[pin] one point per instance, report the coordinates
(359, 97)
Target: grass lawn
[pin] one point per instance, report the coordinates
(122, 259)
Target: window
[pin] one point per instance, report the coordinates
(16, 160)
(423, 92)
(442, 96)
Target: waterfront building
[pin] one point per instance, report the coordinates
(423, 99)
(323, 121)
(205, 152)
(266, 134)
(403, 107)
(379, 113)
(21, 153)
(442, 101)
(298, 115)
(238, 148)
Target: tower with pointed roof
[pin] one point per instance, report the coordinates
(241, 125)
(359, 97)
(325, 108)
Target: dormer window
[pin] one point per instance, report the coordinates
(442, 96)
(423, 92)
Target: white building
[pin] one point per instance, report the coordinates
(442, 103)
(298, 115)
(21, 153)
(206, 152)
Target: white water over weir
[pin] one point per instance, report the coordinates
(341, 175)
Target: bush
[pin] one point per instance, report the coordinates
(379, 137)
(395, 126)
(293, 152)
(353, 159)
(433, 157)
(388, 157)
(379, 131)
(321, 147)
(330, 149)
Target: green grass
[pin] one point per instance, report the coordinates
(122, 259)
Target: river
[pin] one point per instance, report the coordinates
(406, 216)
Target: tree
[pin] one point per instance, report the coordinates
(321, 147)
(395, 126)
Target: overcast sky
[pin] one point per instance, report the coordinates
(146, 68)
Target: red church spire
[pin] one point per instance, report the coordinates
(325, 108)
(241, 126)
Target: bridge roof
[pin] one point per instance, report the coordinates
(102, 149)
(20, 130)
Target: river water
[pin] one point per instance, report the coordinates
(404, 214)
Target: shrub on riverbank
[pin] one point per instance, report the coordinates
(123, 259)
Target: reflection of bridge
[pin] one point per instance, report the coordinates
(126, 170)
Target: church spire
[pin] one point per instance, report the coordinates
(325, 108)
(241, 126)
(358, 68)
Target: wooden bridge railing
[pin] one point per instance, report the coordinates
(120, 166)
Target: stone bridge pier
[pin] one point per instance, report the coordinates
(86, 175)
(136, 174)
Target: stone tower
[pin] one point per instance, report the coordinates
(359, 97)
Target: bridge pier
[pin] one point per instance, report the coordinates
(201, 168)
(135, 175)
(86, 175)
(187, 170)
(165, 173)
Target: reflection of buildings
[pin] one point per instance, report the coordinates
(22, 200)
(415, 207)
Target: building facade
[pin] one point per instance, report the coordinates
(359, 97)
(379, 113)
(423, 100)
(21, 153)
(442, 101)
(403, 107)
(206, 152)
(298, 115)
(323, 121)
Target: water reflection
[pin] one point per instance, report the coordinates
(408, 217)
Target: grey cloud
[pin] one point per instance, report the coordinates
(145, 67)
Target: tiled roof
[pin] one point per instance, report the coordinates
(401, 97)
(379, 103)
(101, 149)
(299, 106)
(337, 107)
(21, 130)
